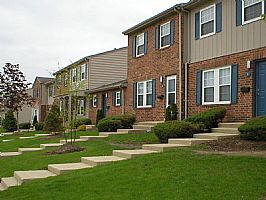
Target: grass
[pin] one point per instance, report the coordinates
(177, 174)
(2, 130)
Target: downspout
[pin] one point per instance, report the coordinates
(123, 99)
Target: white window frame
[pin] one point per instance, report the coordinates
(94, 101)
(214, 24)
(83, 71)
(161, 36)
(74, 73)
(251, 20)
(173, 77)
(144, 94)
(137, 46)
(216, 86)
(117, 98)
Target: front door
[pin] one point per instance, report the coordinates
(104, 103)
(261, 88)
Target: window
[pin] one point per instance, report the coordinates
(94, 101)
(59, 79)
(83, 70)
(74, 75)
(66, 79)
(61, 105)
(144, 94)
(207, 21)
(118, 98)
(140, 45)
(165, 35)
(81, 107)
(50, 91)
(171, 90)
(217, 86)
(252, 10)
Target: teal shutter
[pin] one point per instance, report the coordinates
(264, 6)
(134, 97)
(97, 101)
(122, 97)
(238, 12)
(145, 42)
(153, 92)
(114, 98)
(234, 86)
(197, 25)
(199, 88)
(134, 46)
(157, 34)
(219, 17)
(172, 31)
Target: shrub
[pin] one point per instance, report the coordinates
(99, 116)
(82, 121)
(171, 113)
(109, 125)
(39, 126)
(24, 125)
(35, 120)
(208, 119)
(81, 128)
(9, 122)
(53, 121)
(174, 129)
(254, 129)
(127, 120)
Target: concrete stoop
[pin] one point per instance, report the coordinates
(92, 137)
(9, 182)
(225, 130)
(41, 135)
(8, 154)
(100, 160)
(25, 176)
(231, 125)
(50, 145)
(22, 150)
(214, 136)
(132, 131)
(161, 147)
(111, 133)
(132, 153)
(67, 167)
(29, 137)
(188, 141)
(76, 140)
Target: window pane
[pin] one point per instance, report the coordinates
(171, 98)
(140, 40)
(253, 11)
(207, 28)
(209, 78)
(209, 94)
(149, 87)
(224, 76)
(140, 88)
(148, 99)
(118, 102)
(249, 2)
(207, 15)
(118, 95)
(225, 93)
(165, 29)
(140, 100)
(165, 41)
(140, 50)
(171, 85)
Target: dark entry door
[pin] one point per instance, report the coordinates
(104, 103)
(261, 88)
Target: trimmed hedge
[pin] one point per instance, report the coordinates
(24, 125)
(174, 129)
(109, 125)
(81, 128)
(39, 126)
(127, 120)
(208, 119)
(254, 129)
(81, 121)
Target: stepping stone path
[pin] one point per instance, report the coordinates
(118, 155)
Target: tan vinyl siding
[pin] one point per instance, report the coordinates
(232, 39)
(107, 68)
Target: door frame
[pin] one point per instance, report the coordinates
(104, 104)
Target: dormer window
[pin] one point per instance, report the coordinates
(165, 35)
(252, 10)
(140, 45)
(207, 21)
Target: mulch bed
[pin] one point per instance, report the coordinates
(66, 148)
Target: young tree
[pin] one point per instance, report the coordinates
(13, 89)
(53, 122)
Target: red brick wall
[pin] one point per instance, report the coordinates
(241, 111)
(154, 64)
(111, 110)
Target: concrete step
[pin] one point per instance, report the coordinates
(7, 134)
(50, 145)
(111, 133)
(225, 130)
(2, 187)
(131, 153)
(188, 141)
(136, 131)
(230, 125)
(43, 135)
(76, 140)
(92, 137)
(8, 154)
(63, 168)
(7, 140)
(215, 136)
(9, 182)
(161, 147)
(148, 128)
(100, 160)
(30, 137)
(153, 123)
(29, 149)
(25, 176)
(91, 127)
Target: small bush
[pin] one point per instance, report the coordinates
(35, 120)
(39, 126)
(82, 121)
(9, 122)
(254, 129)
(24, 125)
(127, 120)
(171, 113)
(81, 128)
(174, 129)
(99, 116)
(53, 121)
(109, 125)
(208, 119)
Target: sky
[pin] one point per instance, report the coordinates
(46, 35)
